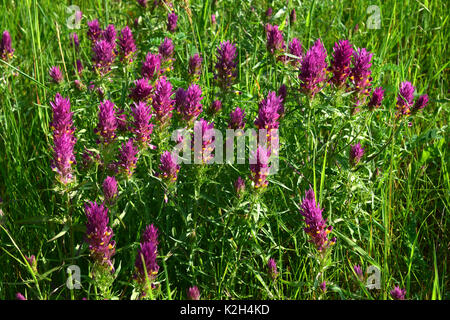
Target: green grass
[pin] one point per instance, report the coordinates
(392, 212)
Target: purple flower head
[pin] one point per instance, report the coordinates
(99, 234)
(110, 189)
(142, 127)
(295, 48)
(62, 117)
(323, 286)
(358, 271)
(20, 296)
(421, 103)
(356, 153)
(259, 166)
(151, 66)
(216, 107)
(63, 157)
(56, 74)
(275, 42)
(110, 35)
(142, 90)
(103, 56)
(340, 63)
(163, 104)
(193, 293)
(316, 226)
(143, 3)
(150, 234)
(405, 97)
(172, 22)
(94, 31)
(226, 64)
(195, 65)
(269, 12)
(237, 119)
(107, 122)
(360, 75)
(398, 294)
(204, 131)
(166, 52)
(213, 19)
(126, 45)
(169, 167)
(272, 266)
(188, 102)
(268, 113)
(293, 16)
(74, 40)
(146, 262)
(79, 66)
(377, 98)
(127, 158)
(6, 52)
(239, 186)
(282, 92)
(313, 69)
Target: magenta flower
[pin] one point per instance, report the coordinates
(188, 103)
(110, 35)
(103, 56)
(110, 189)
(269, 12)
(295, 48)
(150, 234)
(163, 104)
(259, 167)
(79, 66)
(323, 287)
(142, 128)
(398, 294)
(63, 157)
(151, 66)
(99, 234)
(316, 226)
(293, 16)
(127, 158)
(421, 103)
(56, 74)
(237, 119)
(62, 117)
(360, 76)
(268, 113)
(213, 19)
(107, 122)
(239, 186)
(275, 42)
(20, 296)
(143, 3)
(94, 31)
(356, 153)
(145, 262)
(74, 40)
(216, 106)
(340, 63)
(405, 98)
(282, 92)
(377, 98)
(6, 52)
(126, 45)
(359, 272)
(142, 90)
(195, 65)
(169, 167)
(226, 64)
(204, 131)
(166, 52)
(272, 266)
(313, 69)
(193, 293)
(172, 22)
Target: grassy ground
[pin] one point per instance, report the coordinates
(391, 213)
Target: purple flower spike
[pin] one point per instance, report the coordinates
(340, 63)
(323, 287)
(293, 16)
(151, 66)
(259, 167)
(316, 226)
(356, 153)
(142, 3)
(420, 103)
(195, 65)
(193, 293)
(172, 22)
(398, 294)
(110, 189)
(268, 114)
(188, 102)
(63, 157)
(94, 31)
(166, 52)
(358, 272)
(56, 74)
(269, 12)
(110, 35)
(377, 98)
(204, 131)
(163, 104)
(405, 98)
(313, 69)
(237, 119)
(127, 158)
(74, 40)
(150, 234)
(272, 266)
(142, 90)
(275, 42)
(239, 186)
(295, 48)
(126, 45)
(99, 234)
(6, 52)
(107, 122)
(213, 19)
(20, 296)
(142, 127)
(146, 257)
(103, 56)
(216, 107)
(169, 167)
(360, 76)
(226, 64)
(79, 66)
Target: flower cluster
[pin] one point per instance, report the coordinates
(398, 294)
(127, 158)
(103, 56)
(360, 76)
(204, 132)
(142, 127)
(168, 167)
(56, 74)
(295, 48)
(188, 102)
(237, 119)
(6, 51)
(172, 22)
(163, 104)
(166, 53)
(226, 64)
(340, 63)
(313, 69)
(405, 98)
(151, 66)
(109, 187)
(275, 42)
(269, 112)
(272, 266)
(377, 98)
(107, 122)
(126, 45)
(145, 262)
(195, 66)
(259, 167)
(141, 91)
(356, 153)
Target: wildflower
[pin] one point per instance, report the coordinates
(268, 112)
(146, 263)
(74, 40)
(282, 92)
(169, 167)
(172, 22)
(313, 69)
(62, 117)
(188, 102)
(358, 271)
(377, 98)
(6, 52)
(293, 16)
(63, 157)
(142, 127)
(360, 76)
(259, 167)
(356, 153)
(323, 287)
(398, 294)
(195, 65)
(110, 35)
(275, 42)
(143, 3)
(107, 122)
(126, 45)
(99, 234)
(226, 64)
(316, 226)
(94, 31)
(272, 266)
(420, 103)
(151, 66)
(150, 234)
(193, 293)
(20, 296)
(163, 104)
(56, 74)
(166, 52)
(237, 119)
(239, 186)
(33, 262)
(79, 66)
(213, 19)
(127, 158)
(142, 90)
(295, 48)
(340, 63)
(103, 56)
(204, 131)
(216, 107)
(405, 98)
(110, 189)
(269, 12)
